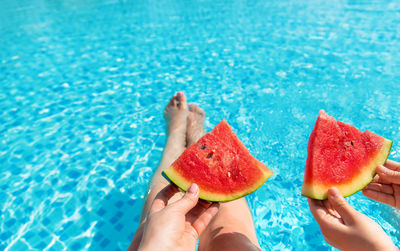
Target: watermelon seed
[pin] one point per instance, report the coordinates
(210, 154)
(203, 147)
(351, 142)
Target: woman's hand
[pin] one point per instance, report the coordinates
(345, 228)
(176, 226)
(385, 187)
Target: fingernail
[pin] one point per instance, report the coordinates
(193, 189)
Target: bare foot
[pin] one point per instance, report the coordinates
(195, 124)
(175, 114)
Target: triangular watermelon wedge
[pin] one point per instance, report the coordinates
(339, 155)
(220, 165)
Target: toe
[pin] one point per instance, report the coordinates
(202, 112)
(181, 97)
(191, 106)
(196, 109)
(171, 101)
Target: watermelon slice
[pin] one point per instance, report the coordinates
(339, 155)
(220, 165)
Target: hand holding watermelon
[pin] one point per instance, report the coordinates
(385, 187)
(339, 155)
(345, 228)
(176, 226)
(342, 160)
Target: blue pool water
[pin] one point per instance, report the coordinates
(83, 85)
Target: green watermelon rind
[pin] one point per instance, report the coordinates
(384, 152)
(184, 184)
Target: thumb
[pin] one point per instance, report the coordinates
(341, 206)
(188, 201)
(388, 174)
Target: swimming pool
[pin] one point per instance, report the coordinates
(83, 87)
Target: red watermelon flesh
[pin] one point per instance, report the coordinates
(339, 155)
(220, 165)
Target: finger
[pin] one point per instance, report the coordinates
(317, 209)
(380, 188)
(201, 223)
(330, 209)
(327, 222)
(378, 179)
(388, 174)
(380, 196)
(337, 201)
(161, 199)
(188, 201)
(204, 203)
(392, 165)
(195, 212)
(396, 192)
